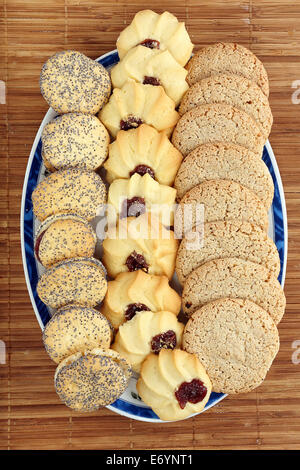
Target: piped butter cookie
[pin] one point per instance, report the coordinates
(71, 82)
(145, 333)
(235, 340)
(87, 381)
(174, 384)
(136, 291)
(156, 31)
(135, 104)
(74, 141)
(143, 150)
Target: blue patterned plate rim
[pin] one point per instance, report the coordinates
(279, 235)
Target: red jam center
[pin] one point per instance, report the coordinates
(135, 262)
(37, 245)
(132, 309)
(193, 392)
(130, 123)
(133, 207)
(151, 81)
(165, 340)
(151, 43)
(142, 170)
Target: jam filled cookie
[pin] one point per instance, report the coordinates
(78, 281)
(143, 150)
(228, 239)
(87, 381)
(174, 384)
(64, 236)
(74, 329)
(234, 163)
(141, 194)
(71, 191)
(234, 278)
(217, 122)
(135, 291)
(147, 332)
(156, 31)
(135, 104)
(235, 340)
(74, 141)
(70, 82)
(140, 243)
(152, 67)
(229, 58)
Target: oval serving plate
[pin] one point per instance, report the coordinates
(129, 404)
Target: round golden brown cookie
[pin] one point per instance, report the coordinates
(70, 191)
(143, 150)
(229, 162)
(229, 58)
(140, 243)
(71, 82)
(235, 340)
(217, 122)
(152, 67)
(234, 90)
(64, 236)
(221, 200)
(86, 382)
(145, 333)
(155, 31)
(78, 281)
(75, 329)
(227, 239)
(132, 292)
(233, 278)
(135, 104)
(74, 141)
(135, 196)
(174, 384)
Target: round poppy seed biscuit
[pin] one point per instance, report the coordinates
(229, 162)
(79, 281)
(70, 191)
(229, 58)
(74, 141)
(222, 200)
(64, 236)
(233, 278)
(74, 329)
(228, 239)
(85, 382)
(217, 122)
(234, 90)
(71, 82)
(235, 340)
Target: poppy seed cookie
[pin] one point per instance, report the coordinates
(229, 162)
(235, 340)
(233, 278)
(229, 58)
(217, 122)
(225, 240)
(71, 82)
(74, 329)
(87, 381)
(70, 191)
(234, 90)
(222, 200)
(74, 141)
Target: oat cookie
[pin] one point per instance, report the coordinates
(233, 278)
(235, 340)
(228, 58)
(229, 162)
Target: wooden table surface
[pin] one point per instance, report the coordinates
(31, 415)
